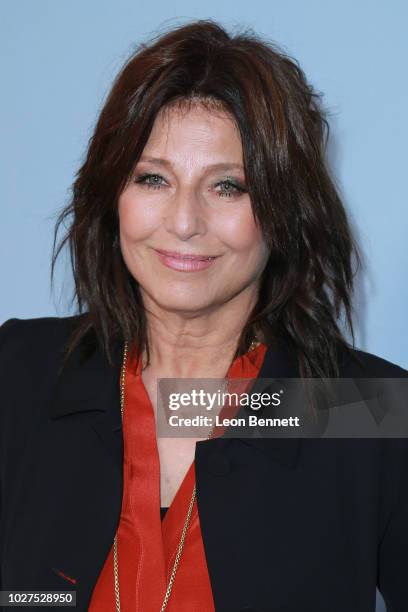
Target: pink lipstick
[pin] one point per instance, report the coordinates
(185, 262)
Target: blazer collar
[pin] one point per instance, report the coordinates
(90, 386)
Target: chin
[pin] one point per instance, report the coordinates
(183, 306)
(173, 297)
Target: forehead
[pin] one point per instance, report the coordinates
(194, 130)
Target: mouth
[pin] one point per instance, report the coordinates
(185, 256)
(185, 262)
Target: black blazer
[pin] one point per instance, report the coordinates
(289, 525)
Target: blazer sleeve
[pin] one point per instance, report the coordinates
(7, 334)
(393, 548)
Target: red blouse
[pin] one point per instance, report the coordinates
(146, 544)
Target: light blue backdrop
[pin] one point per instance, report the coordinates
(58, 60)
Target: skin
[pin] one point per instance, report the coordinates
(194, 318)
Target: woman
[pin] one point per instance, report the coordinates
(207, 240)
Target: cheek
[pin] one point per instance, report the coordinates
(137, 220)
(239, 231)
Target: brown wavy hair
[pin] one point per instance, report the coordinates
(308, 278)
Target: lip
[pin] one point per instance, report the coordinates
(189, 256)
(185, 262)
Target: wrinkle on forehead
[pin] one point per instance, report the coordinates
(182, 106)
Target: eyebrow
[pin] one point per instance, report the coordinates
(218, 166)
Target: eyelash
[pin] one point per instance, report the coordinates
(141, 180)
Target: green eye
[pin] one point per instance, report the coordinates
(230, 189)
(150, 180)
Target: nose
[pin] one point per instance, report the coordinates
(184, 215)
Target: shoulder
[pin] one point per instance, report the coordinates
(386, 387)
(358, 363)
(31, 351)
(40, 335)
(37, 327)
(394, 450)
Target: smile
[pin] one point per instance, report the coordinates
(185, 262)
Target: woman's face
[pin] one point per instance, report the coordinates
(187, 197)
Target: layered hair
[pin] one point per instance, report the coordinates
(307, 283)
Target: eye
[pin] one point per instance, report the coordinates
(230, 189)
(151, 181)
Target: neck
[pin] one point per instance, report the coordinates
(194, 345)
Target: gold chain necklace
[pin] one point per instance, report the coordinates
(190, 507)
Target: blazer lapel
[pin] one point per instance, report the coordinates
(89, 386)
(278, 363)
